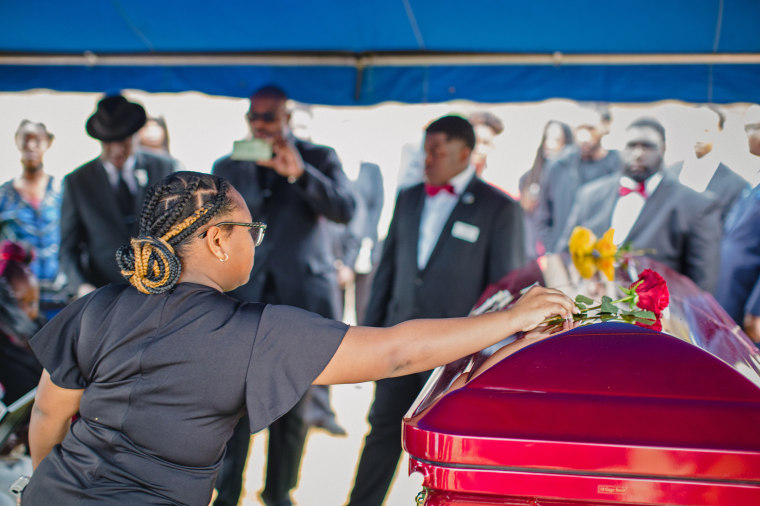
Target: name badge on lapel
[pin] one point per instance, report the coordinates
(465, 231)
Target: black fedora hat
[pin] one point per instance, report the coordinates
(115, 119)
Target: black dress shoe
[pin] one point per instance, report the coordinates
(330, 426)
(284, 502)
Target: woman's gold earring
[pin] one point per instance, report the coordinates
(226, 257)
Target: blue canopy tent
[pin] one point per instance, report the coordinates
(348, 52)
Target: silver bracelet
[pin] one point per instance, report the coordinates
(19, 485)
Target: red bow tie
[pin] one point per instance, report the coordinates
(640, 189)
(433, 190)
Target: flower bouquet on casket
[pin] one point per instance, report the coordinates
(646, 299)
(590, 254)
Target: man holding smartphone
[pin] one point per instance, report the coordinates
(295, 190)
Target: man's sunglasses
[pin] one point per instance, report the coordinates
(266, 117)
(257, 229)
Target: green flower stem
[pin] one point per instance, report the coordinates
(594, 308)
(584, 316)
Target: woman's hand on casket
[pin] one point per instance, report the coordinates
(539, 303)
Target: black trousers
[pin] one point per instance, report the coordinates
(363, 285)
(318, 409)
(287, 436)
(382, 446)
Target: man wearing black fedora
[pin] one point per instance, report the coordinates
(102, 198)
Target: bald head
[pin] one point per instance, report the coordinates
(268, 116)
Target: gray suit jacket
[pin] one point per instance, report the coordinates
(368, 191)
(683, 226)
(295, 263)
(726, 186)
(92, 226)
(458, 270)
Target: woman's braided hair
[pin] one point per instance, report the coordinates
(174, 209)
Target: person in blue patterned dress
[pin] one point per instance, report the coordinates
(30, 213)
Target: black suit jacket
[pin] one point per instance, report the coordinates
(295, 263)
(682, 225)
(458, 270)
(726, 186)
(92, 226)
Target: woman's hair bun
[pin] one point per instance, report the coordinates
(149, 264)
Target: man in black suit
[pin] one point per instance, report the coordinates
(295, 192)
(738, 288)
(449, 238)
(704, 172)
(102, 199)
(651, 210)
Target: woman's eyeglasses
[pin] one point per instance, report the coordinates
(257, 229)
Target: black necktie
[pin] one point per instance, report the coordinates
(125, 199)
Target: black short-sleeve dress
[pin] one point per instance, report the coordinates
(166, 378)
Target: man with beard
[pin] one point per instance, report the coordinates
(652, 210)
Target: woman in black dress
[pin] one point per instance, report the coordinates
(161, 371)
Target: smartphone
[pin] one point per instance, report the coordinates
(251, 150)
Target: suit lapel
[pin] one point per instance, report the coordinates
(653, 207)
(416, 203)
(461, 211)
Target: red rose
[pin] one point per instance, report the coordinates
(651, 292)
(655, 325)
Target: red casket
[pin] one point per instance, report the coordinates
(604, 414)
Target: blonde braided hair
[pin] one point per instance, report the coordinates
(150, 262)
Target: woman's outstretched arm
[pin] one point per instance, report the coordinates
(51, 415)
(368, 354)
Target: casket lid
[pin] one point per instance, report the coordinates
(590, 369)
(605, 414)
(586, 398)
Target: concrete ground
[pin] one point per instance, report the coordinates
(329, 462)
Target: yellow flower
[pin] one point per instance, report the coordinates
(581, 242)
(604, 246)
(607, 266)
(585, 264)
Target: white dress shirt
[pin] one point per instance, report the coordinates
(436, 212)
(628, 208)
(128, 173)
